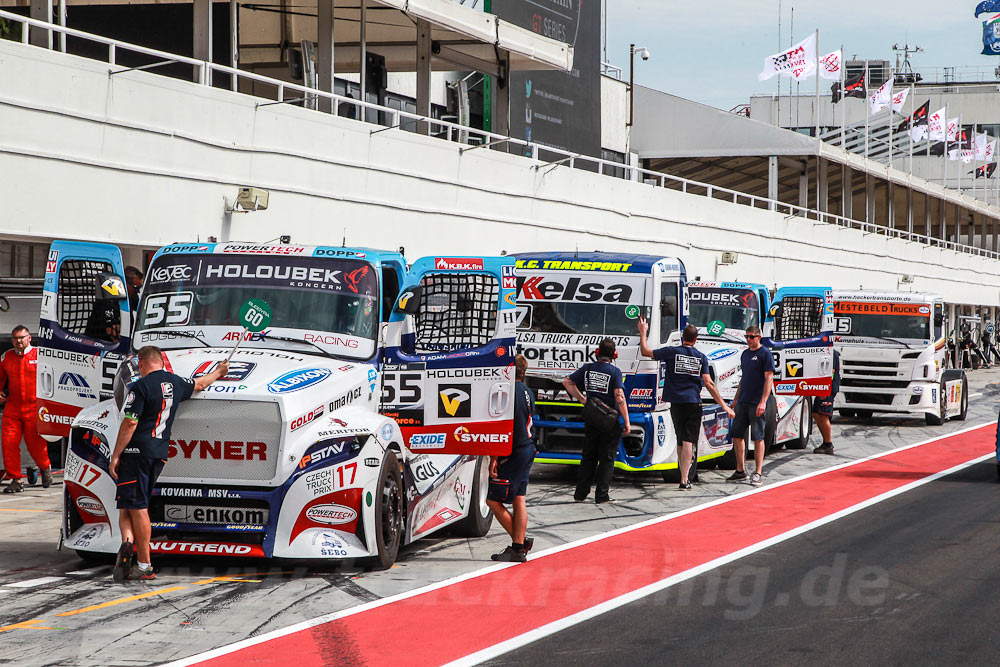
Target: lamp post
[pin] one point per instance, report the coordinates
(643, 53)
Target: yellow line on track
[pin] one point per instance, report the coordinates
(25, 625)
(131, 598)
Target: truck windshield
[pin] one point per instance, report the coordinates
(884, 320)
(334, 302)
(578, 318)
(735, 308)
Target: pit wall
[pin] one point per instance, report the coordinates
(143, 160)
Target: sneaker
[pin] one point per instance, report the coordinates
(528, 543)
(144, 574)
(509, 555)
(605, 500)
(684, 486)
(756, 479)
(579, 500)
(123, 562)
(15, 486)
(737, 476)
(32, 476)
(47, 478)
(825, 448)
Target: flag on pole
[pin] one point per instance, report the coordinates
(798, 62)
(881, 98)
(987, 6)
(991, 36)
(831, 64)
(979, 145)
(952, 131)
(899, 99)
(991, 151)
(855, 87)
(916, 124)
(986, 170)
(936, 125)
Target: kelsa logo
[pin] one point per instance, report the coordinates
(296, 380)
(534, 289)
(331, 514)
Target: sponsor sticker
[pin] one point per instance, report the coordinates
(427, 441)
(91, 506)
(458, 263)
(297, 380)
(331, 514)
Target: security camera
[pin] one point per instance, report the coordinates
(645, 54)
(252, 199)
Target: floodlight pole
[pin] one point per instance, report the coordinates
(631, 83)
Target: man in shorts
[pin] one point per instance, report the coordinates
(823, 409)
(687, 373)
(142, 449)
(509, 474)
(750, 404)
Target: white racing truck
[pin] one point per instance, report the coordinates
(353, 425)
(892, 353)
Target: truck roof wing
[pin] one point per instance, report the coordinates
(623, 262)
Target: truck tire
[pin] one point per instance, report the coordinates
(771, 426)
(805, 427)
(389, 512)
(846, 412)
(864, 414)
(933, 419)
(480, 518)
(965, 400)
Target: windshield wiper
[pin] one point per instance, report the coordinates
(891, 340)
(725, 335)
(183, 334)
(288, 339)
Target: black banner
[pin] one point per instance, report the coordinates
(561, 109)
(855, 87)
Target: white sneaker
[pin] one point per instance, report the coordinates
(755, 479)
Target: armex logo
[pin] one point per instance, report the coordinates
(427, 441)
(297, 380)
(454, 401)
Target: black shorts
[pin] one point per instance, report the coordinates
(746, 415)
(823, 405)
(687, 421)
(512, 475)
(137, 476)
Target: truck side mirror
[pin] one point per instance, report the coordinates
(668, 305)
(938, 319)
(409, 301)
(109, 286)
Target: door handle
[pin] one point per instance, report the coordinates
(46, 384)
(499, 399)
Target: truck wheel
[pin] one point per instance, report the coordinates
(770, 426)
(965, 400)
(942, 414)
(389, 512)
(845, 412)
(864, 414)
(805, 428)
(480, 518)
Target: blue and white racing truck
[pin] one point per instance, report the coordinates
(353, 425)
(569, 301)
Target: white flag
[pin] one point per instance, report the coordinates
(982, 141)
(935, 125)
(991, 151)
(918, 133)
(831, 66)
(798, 62)
(953, 129)
(899, 99)
(881, 98)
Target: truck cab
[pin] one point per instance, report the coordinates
(353, 423)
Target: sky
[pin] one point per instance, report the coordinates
(711, 51)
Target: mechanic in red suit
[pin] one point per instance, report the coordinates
(20, 417)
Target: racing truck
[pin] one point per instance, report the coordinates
(892, 350)
(355, 423)
(569, 301)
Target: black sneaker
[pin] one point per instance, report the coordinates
(509, 555)
(738, 476)
(605, 500)
(825, 448)
(15, 486)
(123, 562)
(47, 478)
(528, 543)
(684, 486)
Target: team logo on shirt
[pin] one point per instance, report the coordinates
(167, 388)
(597, 382)
(687, 365)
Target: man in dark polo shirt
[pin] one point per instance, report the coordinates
(750, 404)
(687, 372)
(142, 449)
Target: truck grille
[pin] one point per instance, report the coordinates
(224, 439)
(876, 383)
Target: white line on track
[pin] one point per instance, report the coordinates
(30, 496)
(976, 395)
(31, 583)
(91, 570)
(551, 628)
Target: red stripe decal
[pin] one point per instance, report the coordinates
(427, 629)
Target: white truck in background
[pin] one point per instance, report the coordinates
(892, 352)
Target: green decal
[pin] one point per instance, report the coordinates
(715, 328)
(368, 499)
(632, 312)
(255, 315)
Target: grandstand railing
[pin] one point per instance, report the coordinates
(474, 138)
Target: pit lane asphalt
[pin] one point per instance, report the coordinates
(68, 612)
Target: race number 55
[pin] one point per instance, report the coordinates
(165, 309)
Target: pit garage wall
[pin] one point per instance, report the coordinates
(142, 160)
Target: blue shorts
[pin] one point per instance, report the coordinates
(746, 415)
(512, 475)
(137, 476)
(823, 405)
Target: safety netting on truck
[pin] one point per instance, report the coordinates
(457, 311)
(798, 317)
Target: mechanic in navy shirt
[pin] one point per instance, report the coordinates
(687, 372)
(509, 474)
(601, 380)
(823, 409)
(142, 449)
(750, 404)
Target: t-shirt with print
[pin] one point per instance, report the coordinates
(524, 406)
(685, 366)
(152, 401)
(599, 379)
(754, 363)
